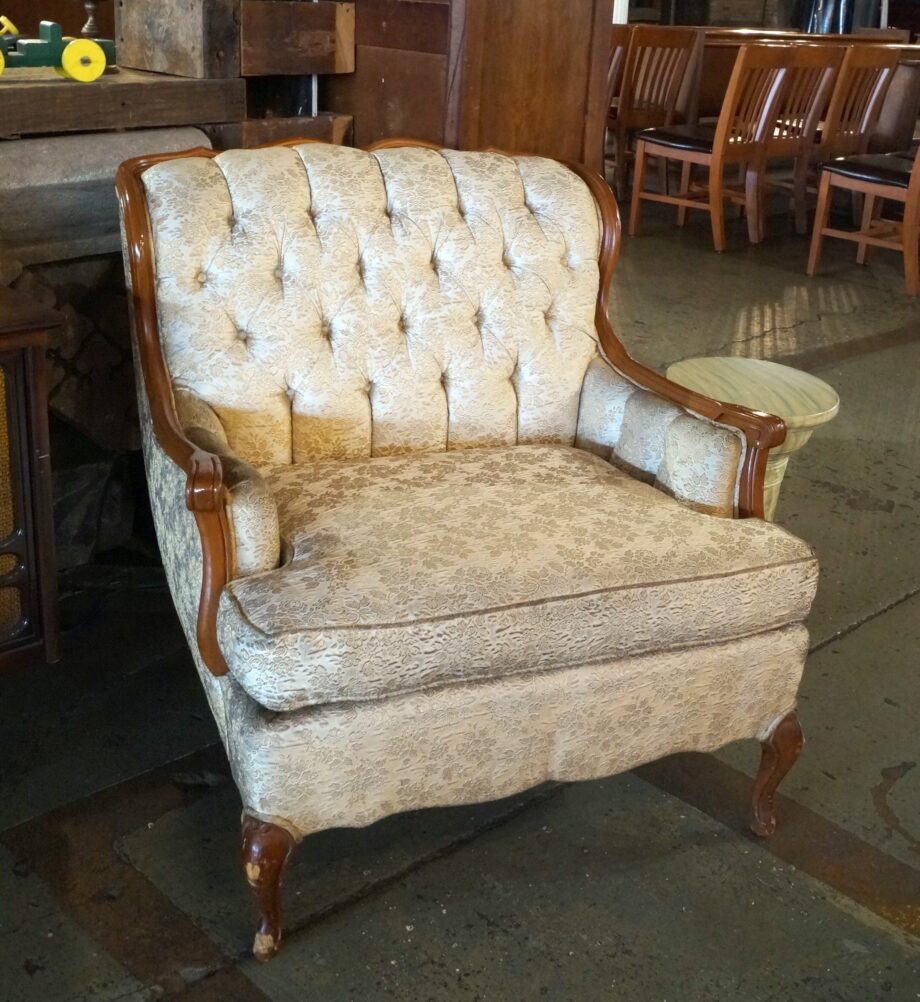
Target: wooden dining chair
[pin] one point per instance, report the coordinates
(878, 177)
(619, 43)
(862, 84)
(748, 112)
(653, 71)
(810, 76)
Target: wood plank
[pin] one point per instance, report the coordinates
(329, 127)
(38, 101)
(188, 38)
(533, 76)
(417, 25)
(392, 92)
(289, 37)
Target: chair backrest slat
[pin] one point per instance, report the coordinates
(751, 101)
(619, 42)
(862, 84)
(810, 78)
(656, 61)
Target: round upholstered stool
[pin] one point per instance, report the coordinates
(803, 401)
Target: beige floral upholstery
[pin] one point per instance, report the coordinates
(469, 554)
(414, 571)
(352, 763)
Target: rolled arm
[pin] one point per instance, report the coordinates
(710, 456)
(655, 435)
(252, 515)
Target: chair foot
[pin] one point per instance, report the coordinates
(266, 851)
(779, 754)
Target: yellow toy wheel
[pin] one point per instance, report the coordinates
(61, 72)
(2, 62)
(83, 60)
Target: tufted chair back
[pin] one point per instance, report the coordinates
(333, 303)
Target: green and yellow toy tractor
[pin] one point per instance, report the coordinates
(83, 59)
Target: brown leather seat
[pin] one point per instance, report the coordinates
(697, 138)
(879, 168)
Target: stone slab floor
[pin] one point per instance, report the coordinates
(118, 872)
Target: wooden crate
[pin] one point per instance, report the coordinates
(231, 38)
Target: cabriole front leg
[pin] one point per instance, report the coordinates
(266, 851)
(779, 753)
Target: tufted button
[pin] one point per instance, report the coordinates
(326, 330)
(369, 387)
(506, 261)
(402, 324)
(202, 278)
(280, 273)
(242, 335)
(290, 392)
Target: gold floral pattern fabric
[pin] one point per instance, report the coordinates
(415, 571)
(350, 764)
(695, 460)
(330, 303)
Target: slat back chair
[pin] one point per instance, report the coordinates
(656, 61)
(856, 102)
(749, 111)
(810, 78)
(619, 43)
(876, 177)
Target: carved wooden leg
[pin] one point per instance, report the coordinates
(780, 751)
(266, 851)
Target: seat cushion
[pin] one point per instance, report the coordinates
(695, 138)
(409, 572)
(879, 168)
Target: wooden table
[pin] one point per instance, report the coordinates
(803, 401)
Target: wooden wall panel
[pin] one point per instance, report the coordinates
(26, 14)
(524, 75)
(393, 92)
(290, 37)
(534, 76)
(399, 84)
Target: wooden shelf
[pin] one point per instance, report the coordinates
(36, 102)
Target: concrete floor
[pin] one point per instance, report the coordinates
(118, 873)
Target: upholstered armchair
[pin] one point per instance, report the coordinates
(434, 537)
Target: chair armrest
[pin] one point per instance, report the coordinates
(252, 514)
(709, 455)
(760, 432)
